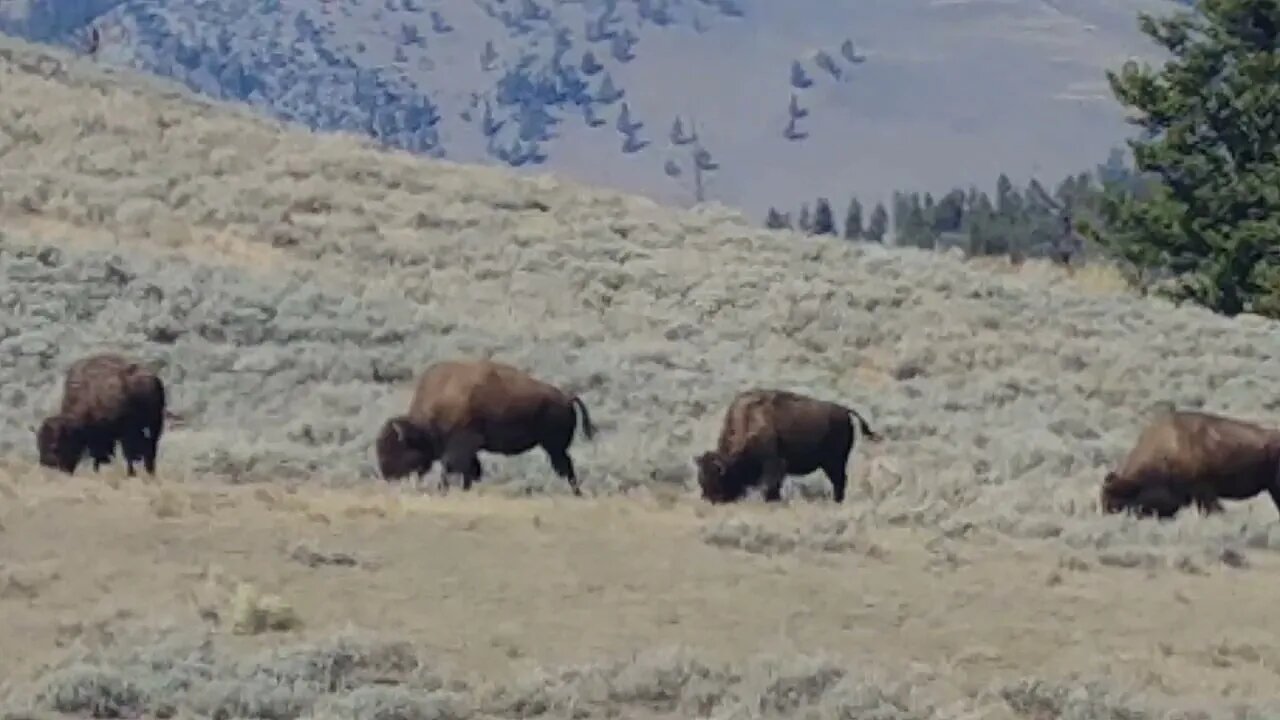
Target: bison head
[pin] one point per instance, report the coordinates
(59, 443)
(1111, 498)
(403, 448)
(1142, 500)
(715, 480)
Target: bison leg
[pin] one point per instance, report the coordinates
(563, 465)
(1208, 505)
(133, 446)
(460, 459)
(839, 481)
(773, 472)
(150, 448)
(101, 452)
(473, 474)
(1274, 491)
(1158, 500)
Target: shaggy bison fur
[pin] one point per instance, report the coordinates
(1185, 457)
(106, 398)
(770, 434)
(460, 407)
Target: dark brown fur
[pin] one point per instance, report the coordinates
(460, 407)
(1185, 457)
(770, 434)
(106, 398)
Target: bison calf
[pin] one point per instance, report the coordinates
(106, 399)
(460, 407)
(1185, 457)
(770, 434)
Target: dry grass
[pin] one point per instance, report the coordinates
(490, 606)
(289, 286)
(1099, 277)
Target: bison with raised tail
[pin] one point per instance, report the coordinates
(106, 398)
(770, 434)
(460, 407)
(1185, 457)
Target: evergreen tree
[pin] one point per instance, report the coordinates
(823, 222)
(804, 224)
(979, 223)
(948, 214)
(916, 228)
(900, 208)
(878, 225)
(776, 220)
(853, 229)
(1210, 137)
(1006, 202)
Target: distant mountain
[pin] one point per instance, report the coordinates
(767, 102)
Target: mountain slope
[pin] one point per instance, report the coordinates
(913, 93)
(290, 286)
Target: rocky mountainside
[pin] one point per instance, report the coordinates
(749, 102)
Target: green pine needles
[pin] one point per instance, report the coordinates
(1209, 224)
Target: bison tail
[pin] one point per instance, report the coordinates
(867, 432)
(587, 428)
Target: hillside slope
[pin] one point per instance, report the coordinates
(913, 93)
(289, 286)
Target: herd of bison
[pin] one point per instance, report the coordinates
(460, 407)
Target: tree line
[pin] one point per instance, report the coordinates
(1020, 222)
(1196, 219)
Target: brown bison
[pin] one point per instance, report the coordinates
(770, 434)
(1185, 457)
(460, 407)
(106, 398)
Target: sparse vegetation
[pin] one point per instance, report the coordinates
(290, 302)
(358, 675)
(289, 287)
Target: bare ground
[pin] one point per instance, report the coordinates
(492, 588)
(288, 287)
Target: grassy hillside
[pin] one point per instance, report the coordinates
(289, 286)
(912, 94)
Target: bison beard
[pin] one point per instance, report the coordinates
(106, 399)
(1183, 458)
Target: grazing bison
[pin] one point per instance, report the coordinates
(106, 398)
(770, 434)
(460, 407)
(1185, 457)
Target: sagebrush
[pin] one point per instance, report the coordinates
(288, 287)
(361, 675)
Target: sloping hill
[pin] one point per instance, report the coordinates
(290, 286)
(915, 93)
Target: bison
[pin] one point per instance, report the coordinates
(106, 398)
(770, 434)
(460, 407)
(1185, 457)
